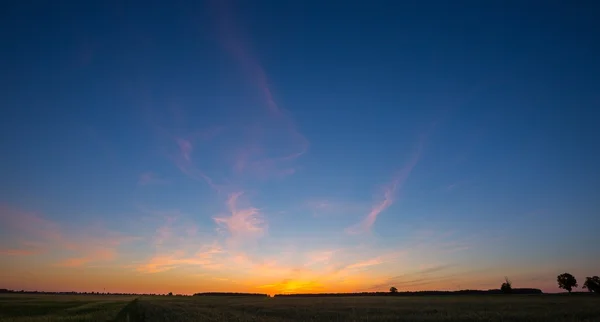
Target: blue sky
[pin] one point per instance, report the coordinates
(335, 146)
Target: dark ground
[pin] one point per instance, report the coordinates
(23, 307)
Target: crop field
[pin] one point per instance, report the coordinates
(34, 308)
(21, 308)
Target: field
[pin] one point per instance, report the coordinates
(26, 308)
(34, 308)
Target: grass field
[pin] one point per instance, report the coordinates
(37, 308)
(23, 307)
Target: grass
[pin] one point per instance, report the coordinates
(50, 308)
(418, 308)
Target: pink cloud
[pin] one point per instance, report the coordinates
(231, 40)
(181, 147)
(320, 257)
(95, 255)
(243, 223)
(205, 258)
(389, 194)
(192, 230)
(36, 235)
(366, 263)
(29, 224)
(164, 232)
(183, 160)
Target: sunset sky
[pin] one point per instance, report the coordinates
(298, 146)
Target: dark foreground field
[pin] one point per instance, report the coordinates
(51, 308)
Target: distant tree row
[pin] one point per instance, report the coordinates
(4, 290)
(417, 293)
(565, 281)
(230, 294)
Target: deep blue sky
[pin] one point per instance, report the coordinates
(338, 125)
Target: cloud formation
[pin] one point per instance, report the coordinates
(243, 223)
(183, 160)
(205, 258)
(36, 235)
(232, 41)
(389, 194)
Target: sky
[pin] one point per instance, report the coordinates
(298, 146)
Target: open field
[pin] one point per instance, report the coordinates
(417, 308)
(34, 308)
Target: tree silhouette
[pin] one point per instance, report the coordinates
(592, 284)
(506, 287)
(393, 289)
(566, 281)
(170, 294)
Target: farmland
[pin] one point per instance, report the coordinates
(31, 308)
(34, 308)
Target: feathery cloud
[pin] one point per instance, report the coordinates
(205, 258)
(389, 194)
(37, 235)
(242, 223)
(231, 40)
(366, 263)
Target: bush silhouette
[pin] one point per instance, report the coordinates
(592, 284)
(506, 287)
(393, 289)
(566, 281)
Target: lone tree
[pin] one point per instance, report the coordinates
(506, 287)
(592, 284)
(566, 281)
(170, 294)
(393, 289)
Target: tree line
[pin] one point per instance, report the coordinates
(565, 281)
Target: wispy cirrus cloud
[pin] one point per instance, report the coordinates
(93, 249)
(435, 268)
(319, 257)
(452, 186)
(389, 193)
(366, 263)
(164, 232)
(243, 223)
(266, 166)
(37, 235)
(206, 258)
(184, 161)
(439, 277)
(29, 224)
(98, 254)
(179, 146)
